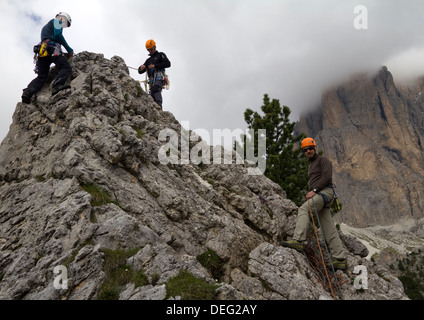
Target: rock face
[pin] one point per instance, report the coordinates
(81, 176)
(372, 131)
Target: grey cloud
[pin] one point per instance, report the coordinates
(226, 54)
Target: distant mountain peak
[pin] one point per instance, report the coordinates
(372, 131)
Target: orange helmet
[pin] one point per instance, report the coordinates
(308, 142)
(150, 44)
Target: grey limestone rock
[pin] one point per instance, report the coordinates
(80, 174)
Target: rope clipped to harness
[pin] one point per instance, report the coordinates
(149, 81)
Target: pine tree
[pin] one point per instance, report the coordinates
(285, 162)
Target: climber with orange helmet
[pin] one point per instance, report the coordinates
(49, 51)
(155, 66)
(320, 198)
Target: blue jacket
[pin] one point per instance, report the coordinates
(53, 31)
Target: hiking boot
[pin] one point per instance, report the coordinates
(55, 90)
(294, 244)
(338, 264)
(26, 96)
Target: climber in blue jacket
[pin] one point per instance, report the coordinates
(49, 51)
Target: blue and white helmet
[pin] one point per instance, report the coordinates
(66, 17)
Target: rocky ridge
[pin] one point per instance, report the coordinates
(80, 175)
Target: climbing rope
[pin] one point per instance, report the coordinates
(320, 251)
(145, 82)
(316, 258)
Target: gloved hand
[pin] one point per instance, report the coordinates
(141, 68)
(70, 55)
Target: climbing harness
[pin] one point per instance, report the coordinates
(46, 48)
(322, 260)
(336, 206)
(326, 201)
(157, 75)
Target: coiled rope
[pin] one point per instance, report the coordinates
(324, 267)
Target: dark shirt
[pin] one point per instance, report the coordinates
(53, 31)
(320, 173)
(159, 59)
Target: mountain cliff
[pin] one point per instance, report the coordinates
(372, 130)
(88, 209)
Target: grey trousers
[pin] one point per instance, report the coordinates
(328, 227)
(156, 91)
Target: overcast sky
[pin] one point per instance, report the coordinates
(225, 54)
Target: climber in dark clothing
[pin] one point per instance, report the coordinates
(155, 66)
(50, 51)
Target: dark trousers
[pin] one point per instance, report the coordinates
(43, 64)
(156, 91)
